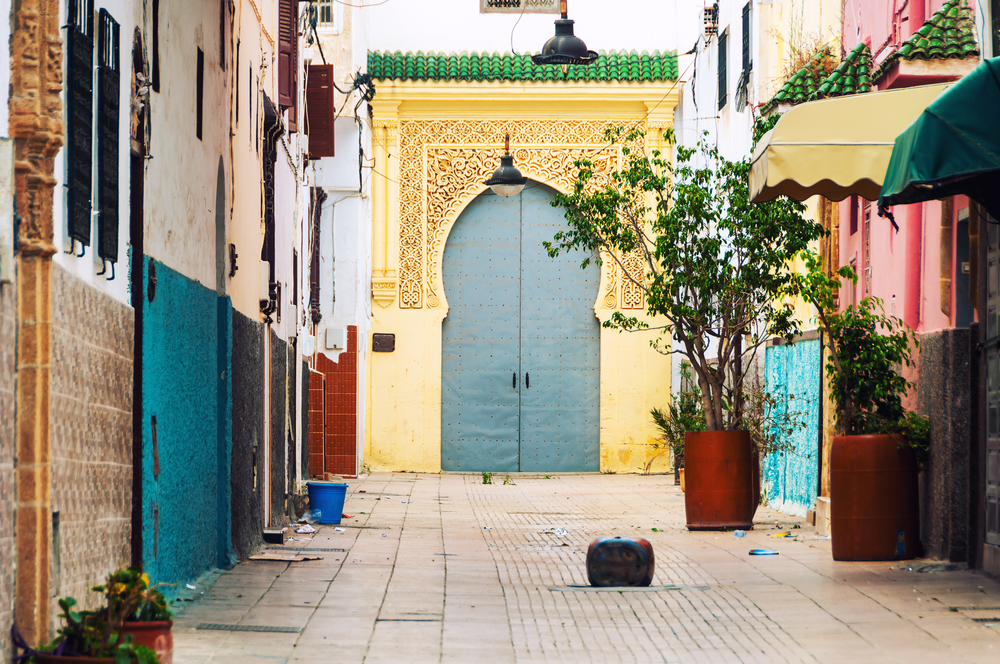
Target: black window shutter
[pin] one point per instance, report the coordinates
(80, 120)
(746, 38)
(108, 95)
(199, 96)
(723, 54)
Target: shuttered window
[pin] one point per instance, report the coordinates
(108, 103)
(747, 64)
(80, 117)
(287, 51)
(723, 54)
(320, 111)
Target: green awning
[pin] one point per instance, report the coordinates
(953, 147)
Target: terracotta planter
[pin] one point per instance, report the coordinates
(720, 480)
(155, 635)
(52, 659)
(681, 471)
(874, 509)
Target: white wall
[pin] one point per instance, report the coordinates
(88, 266)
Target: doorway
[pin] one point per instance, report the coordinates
(520, 385)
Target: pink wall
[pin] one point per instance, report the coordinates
(905, 266)
(884, 23)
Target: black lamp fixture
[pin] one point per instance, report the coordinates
(506, 179)
(565, 48)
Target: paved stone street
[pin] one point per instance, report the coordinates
(442, 568)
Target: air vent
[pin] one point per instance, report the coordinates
(711, 19)
(518, 6)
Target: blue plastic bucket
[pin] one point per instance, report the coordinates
(326, 501)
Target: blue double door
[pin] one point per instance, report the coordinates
(521, 343)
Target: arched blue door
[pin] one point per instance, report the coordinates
(521, 344)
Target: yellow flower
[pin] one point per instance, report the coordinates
(145, 580)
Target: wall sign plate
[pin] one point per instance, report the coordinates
(383, 343)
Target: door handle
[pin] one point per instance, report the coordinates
(513, 381)
(527, 381)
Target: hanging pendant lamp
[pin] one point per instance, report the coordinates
(506, 179)
(564, 48)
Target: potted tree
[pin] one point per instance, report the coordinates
(874, 510)
(714, 277)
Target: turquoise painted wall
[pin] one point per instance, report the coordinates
(187, 351)
(793, 374)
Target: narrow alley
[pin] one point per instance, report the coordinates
(442, 568)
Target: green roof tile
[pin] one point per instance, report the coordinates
(610, 66)
(949, 33)
(804, 83)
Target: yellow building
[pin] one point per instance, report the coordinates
(444, 247)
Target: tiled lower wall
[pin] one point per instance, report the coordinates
(7, 498)
(317, 392)
(91, 416)
(341, 407)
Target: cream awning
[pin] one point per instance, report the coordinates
(835, 147)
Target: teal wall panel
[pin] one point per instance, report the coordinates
(793, 375)
(186, 358)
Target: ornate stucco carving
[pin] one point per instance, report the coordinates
(442, 165)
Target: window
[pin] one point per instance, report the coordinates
(200, 92)
(854, 214)
(288, 48)
(518, 6)
(320, 111)
(108, 102)
(156, 45)
(867, 248)
(723, 54)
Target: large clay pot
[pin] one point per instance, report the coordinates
(719, 479)
(155, 635)
(42, 658)
(874, 510)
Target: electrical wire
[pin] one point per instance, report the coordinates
(371, 4)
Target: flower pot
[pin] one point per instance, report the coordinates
(681, 471)
(719, 478)
(43, 658)
(155, 635)
(874, 510)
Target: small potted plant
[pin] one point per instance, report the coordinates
(874, 510)
(86, 637)
(148, 619)
(684, 414)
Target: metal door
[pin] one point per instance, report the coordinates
(520, 345)
(480, 345)
(560, 347)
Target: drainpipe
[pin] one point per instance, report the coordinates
(36, 125)
(914, 263)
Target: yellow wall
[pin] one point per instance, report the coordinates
(434, 146)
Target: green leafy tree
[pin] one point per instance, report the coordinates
(867, 350)
(714, 264)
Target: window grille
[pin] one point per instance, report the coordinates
(710, 17)
(747, 62)
(80, 117)
(325, 14)
(518, 6)
(108, 103)
(723, 55)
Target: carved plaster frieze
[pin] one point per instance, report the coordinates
(442, 165)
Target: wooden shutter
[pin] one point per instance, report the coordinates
(723, 54)
(80, 117)
(287, 47)
(320, 111)
(108, 102)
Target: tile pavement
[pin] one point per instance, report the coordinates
(441, 568)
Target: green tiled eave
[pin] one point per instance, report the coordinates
(949, 34)
(610, 66)
(803, 84)
(852, 75)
